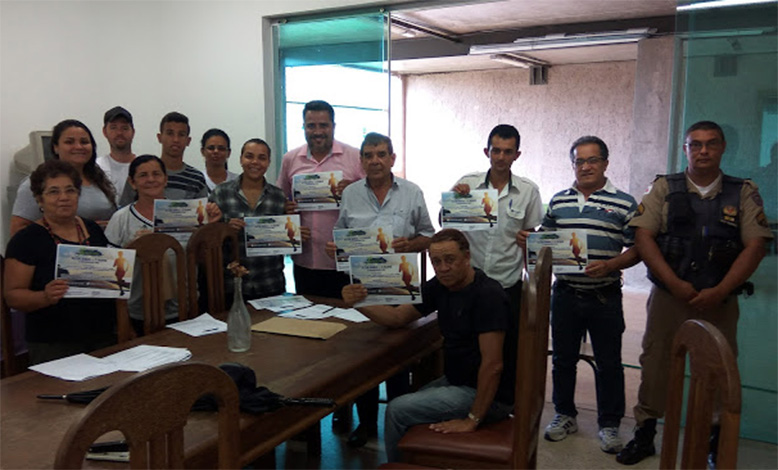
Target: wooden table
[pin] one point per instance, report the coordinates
(342, 368)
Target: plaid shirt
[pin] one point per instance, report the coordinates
(266, 273)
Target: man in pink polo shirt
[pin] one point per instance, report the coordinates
(314, 271)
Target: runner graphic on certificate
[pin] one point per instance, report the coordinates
(390, 279)
(179, 218)
(317, 191)
(95, 271)
(360, 241)
(476, 210)
(568, 247)
(271, 235)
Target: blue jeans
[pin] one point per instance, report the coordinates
(574, 311)
(436, 402)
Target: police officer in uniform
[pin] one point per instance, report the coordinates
(701, 234)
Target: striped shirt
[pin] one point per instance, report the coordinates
(187, 183)
(266, 273)
(605, 216)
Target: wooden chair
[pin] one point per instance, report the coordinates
(715, 380)
(151, 408)
(206, 248)
(150, 260)
(7, 337)
(513, 442)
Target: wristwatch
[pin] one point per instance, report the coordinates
(472, 417)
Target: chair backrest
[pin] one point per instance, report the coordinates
(205, 248)
(6, 329)
(715, 380)
(150, 258)
(531, 362)
(151, 408)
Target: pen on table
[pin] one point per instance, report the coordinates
(209, 330)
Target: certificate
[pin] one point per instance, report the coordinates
(361, 241)
(390, 279)
(95, 271)
(469, 212)
(317, 191)
(179, 218)
(272, 235)
(568, 249)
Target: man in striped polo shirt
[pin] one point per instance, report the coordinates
(591, 300)
(183, 181)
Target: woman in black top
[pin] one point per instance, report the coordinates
(55, 327)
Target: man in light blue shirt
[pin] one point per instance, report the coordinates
(382, 199)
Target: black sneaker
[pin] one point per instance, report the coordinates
(641, 446)
(360, 436)
(635, 451)
(714, 446)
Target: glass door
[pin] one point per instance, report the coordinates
(343, 61)
(726, 72)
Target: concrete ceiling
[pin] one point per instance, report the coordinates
(438, 39)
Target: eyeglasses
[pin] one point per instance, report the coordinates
(56, 192)
(220, 148)
(695, 145)
(579, 162)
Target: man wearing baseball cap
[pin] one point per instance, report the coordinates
(119, 131)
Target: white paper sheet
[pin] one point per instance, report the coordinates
(203, 325)
(314, 312)
(348, 314)
(76, 368)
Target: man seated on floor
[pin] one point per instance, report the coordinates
(479, 343)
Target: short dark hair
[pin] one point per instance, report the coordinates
(213, 133)
(374, 138)
(705, 126)
(504, 131)
(141, 159)
(51, 169)
(452, 235)
(255, 140)
(589, 139)
(319, 105)
(174, 116)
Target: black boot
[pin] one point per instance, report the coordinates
(715, 430)
(641, 446)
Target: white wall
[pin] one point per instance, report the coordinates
(76, 59)
(449, 117)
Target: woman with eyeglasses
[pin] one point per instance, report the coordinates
(55, 326)
(215, 147)
(71, 142)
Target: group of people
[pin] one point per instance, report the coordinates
(701, 234)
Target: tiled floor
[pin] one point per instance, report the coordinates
(580, 450)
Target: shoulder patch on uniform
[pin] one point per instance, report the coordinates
(757, 198)
(761, 219)
(641, 209)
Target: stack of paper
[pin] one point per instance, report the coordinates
(144, 357)
(280, 303)
(82, 366)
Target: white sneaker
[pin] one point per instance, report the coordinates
(610, 442)
(560, 427)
